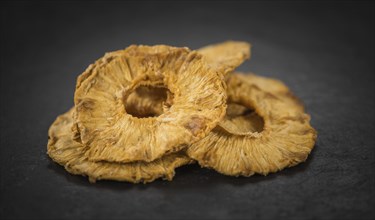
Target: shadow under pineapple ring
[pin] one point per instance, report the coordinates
(111, 134)
(285, 140)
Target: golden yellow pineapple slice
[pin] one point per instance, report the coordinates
(103, 123)
(270, 132)
(71, 154)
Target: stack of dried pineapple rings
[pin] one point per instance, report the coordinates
(143, 111)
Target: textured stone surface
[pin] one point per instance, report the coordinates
(323, 51)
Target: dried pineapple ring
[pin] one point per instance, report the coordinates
(65, 151)
(226, 56)
(285, 140)
(112, 134)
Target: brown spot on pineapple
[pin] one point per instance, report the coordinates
(195, 124)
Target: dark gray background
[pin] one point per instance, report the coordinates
(323, 51)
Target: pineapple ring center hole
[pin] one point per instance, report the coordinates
(148, 101)
(245, 119)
